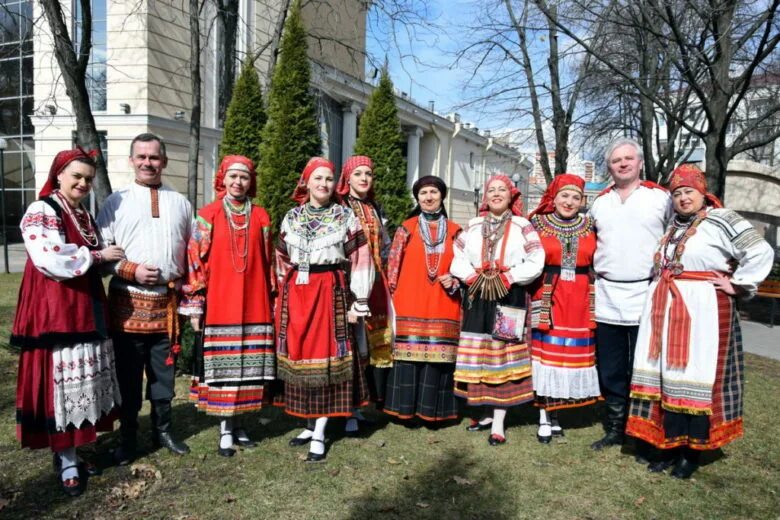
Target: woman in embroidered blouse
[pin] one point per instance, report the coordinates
(372, 334)
(500, 255)
(229, 291)
(426, 302)
(563, 349)
(316, 357)
(67, 388)
(688, 378)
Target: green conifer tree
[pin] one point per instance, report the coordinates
(245, 117)
(381, 139)
(292, 134)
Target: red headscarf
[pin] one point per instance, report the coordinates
(342, 188)
(60, 162)
(690, 176)
(515, 201)
(565, 181)
(301, 193)
(235, 162)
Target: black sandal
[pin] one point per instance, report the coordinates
(225, 452)
(74, 486)
(316, 457)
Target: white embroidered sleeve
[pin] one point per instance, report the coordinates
(45, 243)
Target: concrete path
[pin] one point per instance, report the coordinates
(17, 256)
(761, 339)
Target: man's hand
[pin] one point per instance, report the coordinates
(147, 275)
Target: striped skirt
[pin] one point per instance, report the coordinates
(231, 365)
(666, 429)
(564, 368)
(490, 372)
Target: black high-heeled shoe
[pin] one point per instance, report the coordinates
(298, 441)
(316, 457)
(225, 452)
(477, 426)
(544, 439)
(241, 438)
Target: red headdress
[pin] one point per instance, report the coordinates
(235, 162)
(515, 201)
(60, 162)
(342, 188)
(691, 176)
(566, 181)
(301, 193)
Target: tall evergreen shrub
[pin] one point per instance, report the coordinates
(380, 138)
(292, 134)
(245, 117)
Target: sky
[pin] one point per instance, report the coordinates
(420, 59)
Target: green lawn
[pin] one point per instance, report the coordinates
(396, 472)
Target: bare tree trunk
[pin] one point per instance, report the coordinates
(520, 29)
(194, 145)
(227, 15)
(74, 72)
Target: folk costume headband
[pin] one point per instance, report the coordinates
(301, 193)
(60, 162)
(566, 181)
(689, 176)
(428, 180)
(515, 202)
(342, 188)
(235, 162)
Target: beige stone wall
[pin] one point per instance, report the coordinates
(337, 33)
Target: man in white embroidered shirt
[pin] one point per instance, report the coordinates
(630, 217)
(153, 224)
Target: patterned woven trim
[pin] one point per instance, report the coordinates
(126, 269)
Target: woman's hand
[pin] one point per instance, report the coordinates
(196, 321)
(352, 316)
(447, 281)
(723, 283)
(112, 253)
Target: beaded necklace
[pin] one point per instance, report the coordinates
(433, 247)
(568, 233)
(492, 228)
(370, 225)
(672, 245)
(80, 219)
(311, 220)
(236, 214)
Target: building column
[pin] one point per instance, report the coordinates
(413, 136)
(348, 130)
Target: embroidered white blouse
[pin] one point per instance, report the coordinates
(524, 252)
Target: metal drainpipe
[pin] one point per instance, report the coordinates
(458, 127)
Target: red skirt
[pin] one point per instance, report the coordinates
(35, 421)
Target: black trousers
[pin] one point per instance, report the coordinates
(134, 354)
(615, 360)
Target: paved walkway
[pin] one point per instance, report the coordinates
(16, 258)
(758, 338)
(761, 339)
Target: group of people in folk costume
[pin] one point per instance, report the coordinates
(633, 302)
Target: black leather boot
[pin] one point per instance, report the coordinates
(687, 464)
(614, 425)
(128, 440)
(161, 432)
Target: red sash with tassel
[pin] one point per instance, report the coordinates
(679, 319)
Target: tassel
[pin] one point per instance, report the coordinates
(489, 286)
